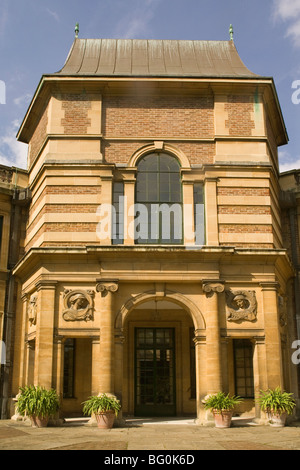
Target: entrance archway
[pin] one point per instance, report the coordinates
(159, 367)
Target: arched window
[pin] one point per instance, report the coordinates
(158, 208)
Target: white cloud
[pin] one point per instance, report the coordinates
(23, 99)
(294, 32)
(53, 14)
(289, 11)
(12, 152)
(136, 22)
(286, 162)
(286, 9)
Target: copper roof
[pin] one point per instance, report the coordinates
(154, 58)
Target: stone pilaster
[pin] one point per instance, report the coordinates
(272, 334)
(107, 346)
(213, 340)
(43, 369)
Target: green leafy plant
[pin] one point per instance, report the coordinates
(221, 402)
(101, 404)
(277, 401)
(37, 401)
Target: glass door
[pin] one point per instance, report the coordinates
(155, 372)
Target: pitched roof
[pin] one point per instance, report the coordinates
(154, 58)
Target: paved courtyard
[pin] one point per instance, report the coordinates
(151, 435)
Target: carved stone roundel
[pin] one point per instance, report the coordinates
(241, 305)
(78, 305)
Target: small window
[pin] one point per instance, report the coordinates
(118, 214)
(243, 368)
(69, 368)
(199, 215)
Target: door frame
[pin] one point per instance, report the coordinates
(157, 410)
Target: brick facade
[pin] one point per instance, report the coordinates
(161, 117)
(239, 108)
(76, 120)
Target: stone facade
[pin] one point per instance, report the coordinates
(159, 325)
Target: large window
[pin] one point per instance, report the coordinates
(158, 208)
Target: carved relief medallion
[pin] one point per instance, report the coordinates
(241, 305)
(78, 305)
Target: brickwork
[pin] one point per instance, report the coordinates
(62, 209)
(244, 228)
(122, 151)
(245, 210)
(76, 120)
(239, 108)
(39, 136)
(64, 190)
(223, 191)
(70, 227)
(159, 117)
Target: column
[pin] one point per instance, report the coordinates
(43, 368)
(200, 357)
(104, 227)
(259, 372)
(213, 338)
(59, 343)
(96, 366)
(188, 213)
(107, 340)
(211, 212)
(272, 335)
(23, 346)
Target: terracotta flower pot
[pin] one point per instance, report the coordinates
(277, 420)
(222, 418)
(105, 420)
(39, 421)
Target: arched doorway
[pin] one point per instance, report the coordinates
(159, 359)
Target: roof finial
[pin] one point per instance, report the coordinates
(76, 30)
(231, 32)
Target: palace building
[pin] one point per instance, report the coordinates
(152, 262)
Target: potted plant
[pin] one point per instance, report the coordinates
(38, 403)
(277, 404)
(222, 406)
(105, 408)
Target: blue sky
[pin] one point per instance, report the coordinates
(36, 35)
